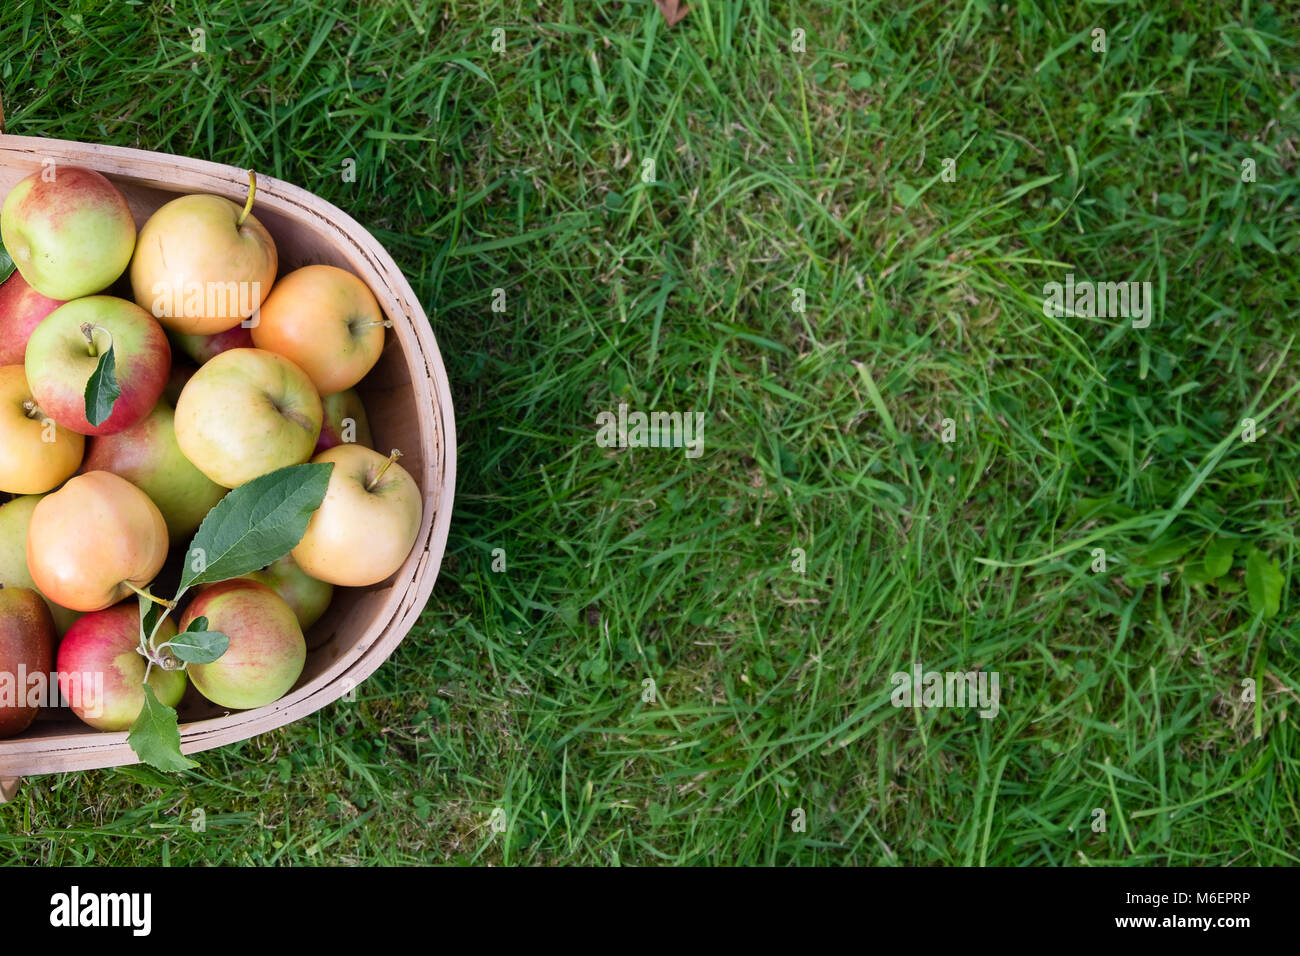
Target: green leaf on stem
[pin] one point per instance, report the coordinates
(199, 647)
(102, 389)
(256, 524)
(155, 736)
(7, 266)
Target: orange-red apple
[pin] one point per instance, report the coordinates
(94, 540)
(327, 321)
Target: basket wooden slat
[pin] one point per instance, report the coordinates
(408, 401)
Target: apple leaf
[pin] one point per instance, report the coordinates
(199, 646)
(156, 737)
(102, 389)
(1264, 583)
(256, 524)
(7, 265)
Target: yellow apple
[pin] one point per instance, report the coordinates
(366, 526)
(200, 270)
(36, 455)
(245, 413)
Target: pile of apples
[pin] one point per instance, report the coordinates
(92, 509)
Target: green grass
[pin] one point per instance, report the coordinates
(774, 171)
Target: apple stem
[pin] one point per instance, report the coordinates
(248, 206)
(170, 605)
(370, 325)
(388, 464)
(88, 331)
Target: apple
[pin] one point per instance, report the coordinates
(246, 413)
(327, 321)
(61, 357)
(366, 526)
(202, 266)
(147, 455)
(26, 650)
(202, 348)
(69, 231)
(21, 309)
(94, 541)
(267, 650)
(101, 670)
(15, 517)
(36, 455)
(345, 421)
(308, 597)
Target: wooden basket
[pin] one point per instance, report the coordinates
(409, 405)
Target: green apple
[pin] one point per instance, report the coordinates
(365, 528)
(69, 231)
(308, 597)
(147, 455)
(15, 517)
(245, 413)
(267, 651)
